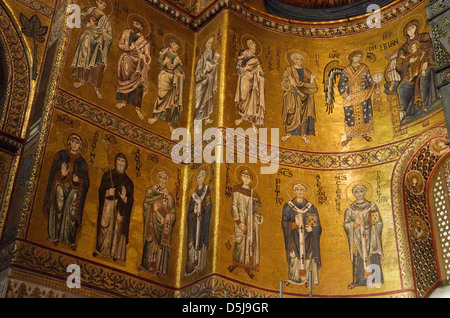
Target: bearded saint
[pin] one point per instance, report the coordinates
(114, 211)
(134, 64)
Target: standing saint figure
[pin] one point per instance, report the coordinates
(363, 225)
(67, 186)
(134, 64)
(206, 82)
(90, 60)
(299, 111)
(356, 86)
(114, 211)
(198, 220)
(247, 215)
(169, 103)
(302, 230)
(249, 97)
(159, 220)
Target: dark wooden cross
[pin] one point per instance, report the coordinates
(303, 258)
(301, 228)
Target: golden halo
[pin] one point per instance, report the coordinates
(434, 147)
(287, 56)
(211, 35)
(108, 6)
(195, 175)
(112, 156)
(132, 15)
(420, 182)
(155, 171)
(345, 55)
(247, 37)
(291, 194)
(401, 32)
(84, 141)
(168, 37)
(237, 175)
(368, 186)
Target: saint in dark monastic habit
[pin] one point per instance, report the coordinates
(198, 219)
(91, 54)
(247, 215)
(363, 225)
(299, 111)
(134, 64)
(159, 220)
(169, 103)
(67, 186)
(114, 211)
(302, 230)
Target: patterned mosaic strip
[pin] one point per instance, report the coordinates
(38, 6)
(276, 25)
(293, 158)
(44, 261)
(20, 77)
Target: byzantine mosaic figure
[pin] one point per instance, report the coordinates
(411, 73)
(301, 229)
(363, 225)
(206, 82)
(116, 198)
(91, 54)
(169, 103)
(357, 87)
(250, 94)
(198, 220)
(299, 87)
(159, 220)
(67, 186)
(246, 212)
(134, 65)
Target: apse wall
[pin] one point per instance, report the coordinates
(327, 169)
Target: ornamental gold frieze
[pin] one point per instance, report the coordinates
(38, 6)
(14, 116)
(293, 158)
(44, 260)
(264, 20)
(221, 287)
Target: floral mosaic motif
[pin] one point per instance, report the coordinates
(303, 30)
(46, 261)
(20, 82)
(38, 6)
(20, 289)
(116, 125)
(147, 139)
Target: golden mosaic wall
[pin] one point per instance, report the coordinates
(91, 111)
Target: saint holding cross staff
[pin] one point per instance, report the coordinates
(114, 211)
